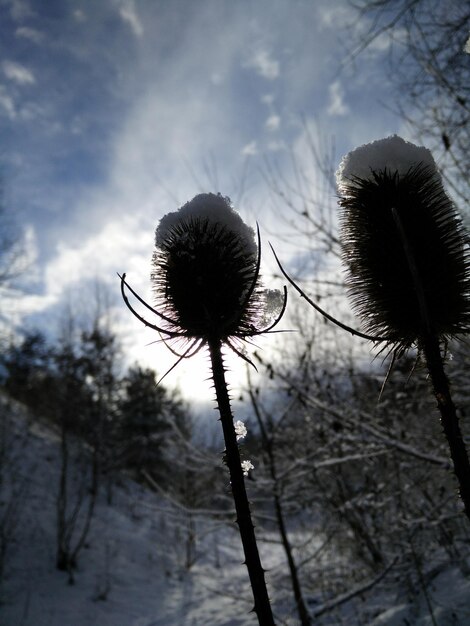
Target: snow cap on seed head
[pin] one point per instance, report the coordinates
(393, 154)
(212, 207)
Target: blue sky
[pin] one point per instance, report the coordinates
(115, 112)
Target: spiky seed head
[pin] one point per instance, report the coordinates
(404, 245)
(205, 269)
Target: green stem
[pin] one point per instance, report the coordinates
(262, 606)
(449, 419)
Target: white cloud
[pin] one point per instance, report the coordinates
(18, 73)
(264, 65)
(129, 14)
(336, 15)
(7, 103)
(273, 122)
(122, 245)
(79, 15)
(467, 46)
(32, 34)
(336, 104)
(20, 9)
(268, 99)
(112, 249)
(250, 149)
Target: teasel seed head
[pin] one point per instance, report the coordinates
(404, 245)
(205, 270)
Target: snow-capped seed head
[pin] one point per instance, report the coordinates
(205, 269)
(403, 244)
(214, 208)
(392, 154)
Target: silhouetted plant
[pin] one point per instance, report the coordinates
(408, 265)
(403, 245)
(207, 290)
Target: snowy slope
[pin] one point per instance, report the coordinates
(132, 572)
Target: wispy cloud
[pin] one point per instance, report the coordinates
(336, 105)
(128, 13)
(7, 103)
(264, 64)
(268, 99)
(20, 9)
(273, 122)
(32, 34)
(250, 149)
(18, 73)
(110, 250)
(79, 15)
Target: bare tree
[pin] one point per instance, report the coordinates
(13, 263)
(14, 479)
(429, 62)
(367, 482)
(86, 363)
(11, 245)
(267, 429)
(365, 467)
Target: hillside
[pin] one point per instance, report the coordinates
(132, 571)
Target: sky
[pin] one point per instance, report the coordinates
(114, 113)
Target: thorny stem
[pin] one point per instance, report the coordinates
(262, 606)
(449, 419)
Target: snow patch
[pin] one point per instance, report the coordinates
(213, 207)
(392, 153)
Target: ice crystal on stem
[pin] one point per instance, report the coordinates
(246, 467)
(240, 429)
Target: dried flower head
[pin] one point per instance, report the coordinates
(403, 244)
(205, 276)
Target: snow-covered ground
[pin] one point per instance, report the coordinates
(133, 571)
